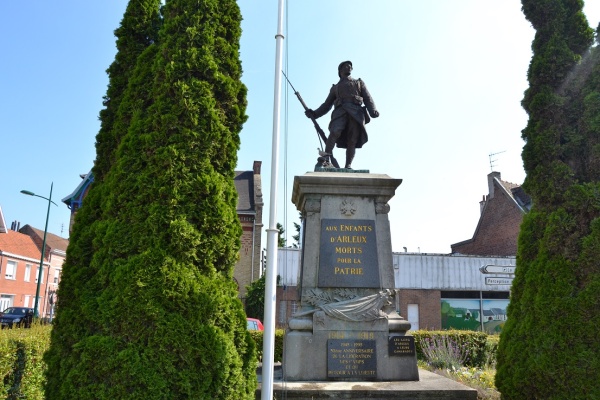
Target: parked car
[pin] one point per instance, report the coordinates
(19, 316)
(254, 324)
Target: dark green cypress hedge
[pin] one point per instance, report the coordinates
(75, 317)
(138, 30)
(548, 347)
(163, 309)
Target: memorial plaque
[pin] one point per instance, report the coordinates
(401, 346)
(348, 254)
(351, 359)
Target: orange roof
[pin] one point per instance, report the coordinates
(53, 241)
(19, 244)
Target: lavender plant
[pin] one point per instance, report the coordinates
(444, 353)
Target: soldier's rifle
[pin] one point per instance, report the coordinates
(314, 121)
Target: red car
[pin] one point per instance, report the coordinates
(254, 324)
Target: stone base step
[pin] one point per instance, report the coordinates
(429, 386)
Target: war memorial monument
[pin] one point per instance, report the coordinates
(347, 325)
(347, 339)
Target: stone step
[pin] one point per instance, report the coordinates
(429, 386)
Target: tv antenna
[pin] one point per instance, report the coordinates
(494, 160)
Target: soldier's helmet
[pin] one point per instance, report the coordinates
(340, 66)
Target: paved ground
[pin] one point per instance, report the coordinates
(429, 386)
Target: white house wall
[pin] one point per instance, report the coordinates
(288, 266)
(418, 270)
(446, 272)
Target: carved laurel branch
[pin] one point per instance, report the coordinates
(317, 297)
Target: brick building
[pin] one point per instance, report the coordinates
(502, 211)
(453, 291)
(249, 210)
(20, 254)
(422, 308)
(450, 291)
(55, 253)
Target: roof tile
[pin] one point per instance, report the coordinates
(19, 244)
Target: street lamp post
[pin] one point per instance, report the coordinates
(41, 270)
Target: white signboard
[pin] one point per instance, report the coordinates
(498, 281)
(498, 269)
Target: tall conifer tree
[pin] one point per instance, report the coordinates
(549, 346)
(74, 319)
(167, 321)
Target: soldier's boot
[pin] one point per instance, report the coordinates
(329, 145)
(349, 157)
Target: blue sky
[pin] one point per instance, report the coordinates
(447, 77)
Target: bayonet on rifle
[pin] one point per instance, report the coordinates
(314, 121)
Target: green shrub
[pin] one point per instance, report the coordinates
(255, 298)
(155, 314)
(21, 365)
(35, 341)
(549, 346)
(491, 349)
(258, 338)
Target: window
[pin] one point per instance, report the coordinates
(6, 300)
(11, 270)
(37, 274)
(26, 301)
(27, 273)
(56, 275)
(413, 316)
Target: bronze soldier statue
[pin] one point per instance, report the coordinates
(348, 119)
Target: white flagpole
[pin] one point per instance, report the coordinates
(272, 231)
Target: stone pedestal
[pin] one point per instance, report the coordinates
(347, 327)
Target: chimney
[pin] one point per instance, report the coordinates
(256, 167)
(491, 177)
(482, 204)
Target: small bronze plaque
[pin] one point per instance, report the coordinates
(401, 346)
(351, 359)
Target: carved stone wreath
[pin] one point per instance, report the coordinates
(347, 208)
